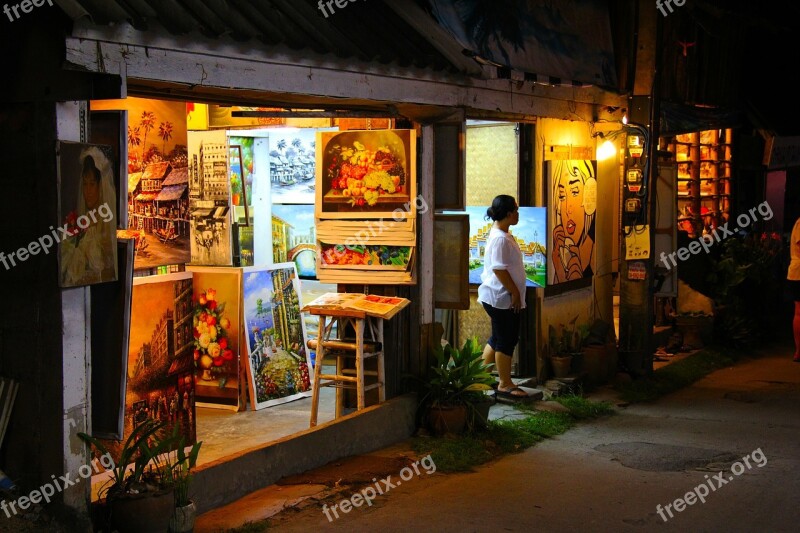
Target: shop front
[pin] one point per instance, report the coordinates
(228, 184)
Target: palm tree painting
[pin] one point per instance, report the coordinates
(165, 132)
(147, 123)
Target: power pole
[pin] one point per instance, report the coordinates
(638, 204)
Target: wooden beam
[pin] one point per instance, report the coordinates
(231, 67)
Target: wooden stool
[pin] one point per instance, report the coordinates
(342, 348)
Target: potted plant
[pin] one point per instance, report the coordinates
(180, 475)
(565, 345)
(140, 495)
(454, 394)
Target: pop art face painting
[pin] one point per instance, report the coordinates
(574, 196)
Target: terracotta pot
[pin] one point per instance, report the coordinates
(447, 419)
(561, 365)
(182, 520)
(149, 512)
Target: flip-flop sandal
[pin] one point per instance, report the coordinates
(508, 394)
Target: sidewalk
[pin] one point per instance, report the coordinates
(611, 474)
(308, 489)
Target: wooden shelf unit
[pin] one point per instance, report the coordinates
(704, 175)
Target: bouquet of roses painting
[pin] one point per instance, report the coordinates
(211, 350)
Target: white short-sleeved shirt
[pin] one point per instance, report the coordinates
(502, 253)
(794, 250)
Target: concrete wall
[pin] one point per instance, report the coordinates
(221, 482)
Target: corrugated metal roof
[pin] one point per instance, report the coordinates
(156, 171)
(363, 30)
(171, 192)
(178, 176)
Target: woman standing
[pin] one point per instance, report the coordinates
(502, 292)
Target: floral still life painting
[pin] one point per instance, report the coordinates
(216, 330)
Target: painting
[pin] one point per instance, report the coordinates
(209, 199)
(87, 236)
(242, 168)
(365, 256)
(573, 205)
(451, 248)
(158, 179)
(293, 238)
(292, 165)
(278, 361)
(530, 233)
(216, 323)
(160, 367)
(366, 174)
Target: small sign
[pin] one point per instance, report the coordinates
(637, 270)
(637, 242)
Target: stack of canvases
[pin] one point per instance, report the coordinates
(366, 206)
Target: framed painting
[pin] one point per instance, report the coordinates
(292, 165)
(293, 237)
(451, 248)
(530, 233)
(278, 365)
(216, 323)
(87, 235)
(365, 256)
(366, 174)
(572, 202)
(209, 199)
(160, 367)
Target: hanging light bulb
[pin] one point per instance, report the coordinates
(625, 119)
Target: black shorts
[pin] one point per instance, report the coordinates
(505, 329)
(794, 289)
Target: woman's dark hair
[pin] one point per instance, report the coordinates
(502, 206)
(90, 168)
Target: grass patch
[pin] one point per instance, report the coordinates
(461, 453)
(581, 408)
(675, 376)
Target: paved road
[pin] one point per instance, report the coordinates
(611, 474)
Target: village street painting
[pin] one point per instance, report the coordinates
(209, 198)
(158, 179)
(294, 238)
(292, 165)
(278, 364)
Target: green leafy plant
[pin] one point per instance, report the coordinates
(567, 340)
(144, 443)
(457, 375)
(177, 467)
